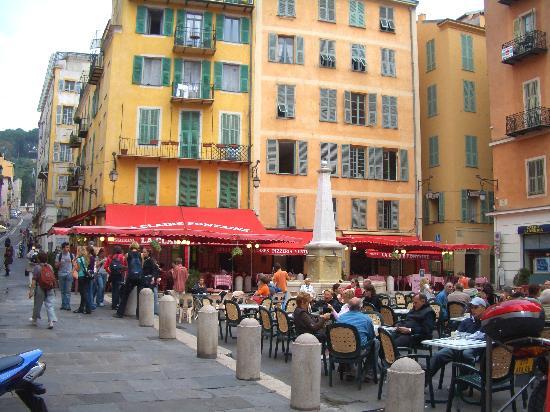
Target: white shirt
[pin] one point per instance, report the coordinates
(308, 289)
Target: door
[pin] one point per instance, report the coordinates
(471, 264)
(189, 135)
(193, 29)
(192, 78)
(531, 101)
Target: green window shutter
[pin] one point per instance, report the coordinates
(219, 26)
(225, 128)
(188, 187)
(404, 164)
(371, 165)
(436, 151)
(385, 112)
(143, 137)
(61, 85)
(473, 96)
(272, 49)
(141, 18)
(218, 72)
(360, 13)
(147, 186)
(59, 114)
(290, 101)
(395, 214)
(484, 209)
(223, 195)
(463, 47)
(380, 213)
(345, 160)
(347, 107)
(272, 156)
(281, 211)
(517, 28)
(323, 105)
(178, 70)
(468, 151)
(166, 63)
(244, 78)
(205, 86)
(302, 158)
(464, 205)
(471, 53)
(168, 22)
(393, 112)
(189, 134)
(474, 150)
(207, 29)
(229, 189)
(466, 94)
(154, 124)
(441, 208)
(491, 205)
(245, 30)
(180, 23)
(137, 70)
(299, 50)
(352, 12)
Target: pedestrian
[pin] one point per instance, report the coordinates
(116, 266)
(151, 276)
(64, 264)
(8, 255)
(280, 278)
(91, 271)
(133, 279)
(84, 278)
(32, 260)
(42, 288)
(100, 277)
(180, 276)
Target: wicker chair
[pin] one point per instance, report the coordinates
(388, 316)
(384, 300)
(375, 317)
(233, 317)
(409, 298)
(290, 305)
(267, 303)
(400, 300)
(285, 333)
(467, 375)
(268, 328)
(389, 353)
(368, 307)
(437, 310)
(456, 309)
(410, 306)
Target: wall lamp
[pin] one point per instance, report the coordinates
(255, 177)
(482, 181)
(113, 174)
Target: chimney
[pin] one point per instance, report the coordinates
(422, 17)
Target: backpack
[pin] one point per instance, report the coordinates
(59, 257)
(115, 267)
(46, 279)
(134, 265)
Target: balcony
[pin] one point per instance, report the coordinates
(528, 121)
(190, 40)
(43, 173)
(75, 181)
(231, 153)
(74, 141)
(531, 43)
(83, 128)
(192, 93)
(228, 5)
(96, 68)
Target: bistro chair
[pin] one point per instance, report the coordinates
(233, 317)
(375, 317)
(268, 328)
(290, 305)
(267, 303)
(409, 298)
(400, 301)
(284, 333)
(410, 306)
(388, 316)
(368, 307)
(389, 353)
(222, 317)
(456, 309)
(437, 310)
(472, 378)
(384, 299)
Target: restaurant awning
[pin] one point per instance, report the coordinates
(390, 243)
(74, 220)
(415, 255)
(296, 248)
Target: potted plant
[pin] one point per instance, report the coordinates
(522, 277)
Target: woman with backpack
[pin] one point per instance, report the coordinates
(42, 288)
(133, 279)
(8, 255)
(84, 279)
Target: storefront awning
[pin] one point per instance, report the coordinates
(74, 220)
(415, 255)
(390, 243)
(297, 248)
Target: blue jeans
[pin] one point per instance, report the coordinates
(65, 283)
(156, 299)
(99, 287)
(90, 296)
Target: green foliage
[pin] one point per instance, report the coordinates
(522, 277)
(155, 245)
(236, 251)
(24, 171)
(193, 278)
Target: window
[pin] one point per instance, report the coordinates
(230, 128)
(435, 205)
(467, 52)
(231, 29)
(536, 184)
(146, 186)
(286, 211)
(524, 24)
(286, 49)
(353, 161)
(326, 10)
(286, 8)
(66, 115)
(430, 55)
(358, 214)
(329, 152)
(62, 183)
(190, 126)
(389, 165)
(358, 58)
(287, 157)
(471, 151)
(230, 78)
(388, 214)
(69, 86)
(148, 126)
(334, 211)
(152, 72)
(62, 152)
(433, 151)
(386, 19)
(356, 109)
(327, 112)
(469, 96)
(389, 112)
(468, 207)
(356, 13)
(229, 189)
(285, 101)
(188, 187)
(388, 62)
(327, 54)
(154, 21)
(432, 100)
(531, 97)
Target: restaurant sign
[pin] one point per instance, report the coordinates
(190, 223)
(533, 229)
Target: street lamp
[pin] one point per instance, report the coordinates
(255, 177)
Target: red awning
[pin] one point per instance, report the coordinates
(390, 243)
(59, 231)
(74, 220)
(297, 248)
(376, 254)
(466, 246)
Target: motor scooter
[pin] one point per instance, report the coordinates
(18, 373)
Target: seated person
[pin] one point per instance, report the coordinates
(322, 305)
(471, 290)
(442, 300)
(420, 322)
(362, 322)
(305, 322)
(357, 289)
(200, 287)
(347, 296)
(337, 291)
(307, 288)
(470, 325)
(459, 295)
(263, 290)
(545, 302)
(370, 296)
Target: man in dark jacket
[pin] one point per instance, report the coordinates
(305, 322)
(323, 304)
(418, 325)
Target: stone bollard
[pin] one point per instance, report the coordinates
(305, 374)
(249, 357)
(207, 333)
(405, 376)
(131, 303)
(146, 312)
(167, 318)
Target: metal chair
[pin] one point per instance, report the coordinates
(268, 328)
(400, 300)
(384, 300)
(284, 333)
(368, 307)
(437, 310)
(290, 305)
(233, 317)
(267, 303)
(388, 316)
(375, 317)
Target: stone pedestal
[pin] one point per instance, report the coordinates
(405, 376)
(207, 333)
(131, 304)
(167, 318)
(249, 357)
(305, 373)
(146, 307)
(324, 265)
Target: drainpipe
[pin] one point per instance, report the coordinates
(417, 176)
(250, 105)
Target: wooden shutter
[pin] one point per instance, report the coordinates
(347, 106)
(441, 208)
(325, 153)
(302, 158)
(323, 10)
(358, 213)
(272, 47)
(464, 47)
(470, 41)
(224, 183)
(352, 12)
(299, 50)
(141, 18)
(245, 30)
(379, 163)
(281, 211)
(380, 213)
(361, 163)
(473, 146)
(372, 113)
(61, 85)
(404, 164)
(345, 160)
(292, 211)
(426, 211)
(464, 205)
(218, 73)
(180, 24)
(384, 61)
(166, 62)
(491, 205)
(168, 22)
(205, 86)
(393, 112)
(333, 158)
(220, 18)
(395, 214)
(484, 210)
(386, 112)
(290, 8)
(371, 163)
(137, 70)
(360, 13)
(143, 137)
(233, 189)
(206, 35)
(178, 70)
(56, 150)
(290, 101)
(59, 114)
(468, 151)
(517, 28)
(244, 78)
(272, 156)
(188, 187)
(391, 63)
(324, 105)
(147, 186)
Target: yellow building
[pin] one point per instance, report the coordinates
(456, 160)
(6, 188)
(336, 80)
(164, 117)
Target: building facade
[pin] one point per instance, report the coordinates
(55, 163)
(336, 80)
(454, 120)
(6, 188)
(519, 76)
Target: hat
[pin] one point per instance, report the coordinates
(477, 301)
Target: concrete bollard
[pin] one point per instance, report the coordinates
(405, 376)
(207, 333)
(167, 318)
(146, 307)
(131, 303)
(249, 357)
(305, 374)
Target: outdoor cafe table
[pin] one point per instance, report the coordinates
(459, 319)
(459, 344)
(401, 312)
(249, 306)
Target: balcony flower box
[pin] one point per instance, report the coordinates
(123, 151)
(220, 146)
(154, 142)
(233, 146)
(207, 145)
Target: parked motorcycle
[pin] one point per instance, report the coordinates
(18, 373)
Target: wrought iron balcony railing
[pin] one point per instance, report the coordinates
(533, 42)
(96, 68)
(527, 121)
(194, 40)
(177, 150)
(192, 93)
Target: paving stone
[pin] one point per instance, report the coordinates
(111, 407)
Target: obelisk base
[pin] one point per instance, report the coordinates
(324, 264)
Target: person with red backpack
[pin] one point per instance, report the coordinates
(42, 288)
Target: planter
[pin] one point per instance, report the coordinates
(220, 146)
(123, 151)
(234, 146)
(154, 142)
(207, 145)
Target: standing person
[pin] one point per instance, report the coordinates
(426, 289)
(42, 288)
(64, 265)
(101, 277)
(180, 275)
(8, 255)
(151, 276)
(133, 279)
(84, 278)
(91, 270)
(116, 266)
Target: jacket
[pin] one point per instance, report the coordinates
(305, 322)
(422, 321)
(322, 306)
(374, 300)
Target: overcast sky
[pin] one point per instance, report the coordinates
(31, 30)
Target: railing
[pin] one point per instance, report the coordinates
(528, 121)
(83, 127)
(177, 150)
(74, 141)
(96, 68)
(196, 38)
(192, 91)
(533, 42)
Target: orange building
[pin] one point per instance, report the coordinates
(519, 81)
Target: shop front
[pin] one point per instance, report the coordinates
(536, 251)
